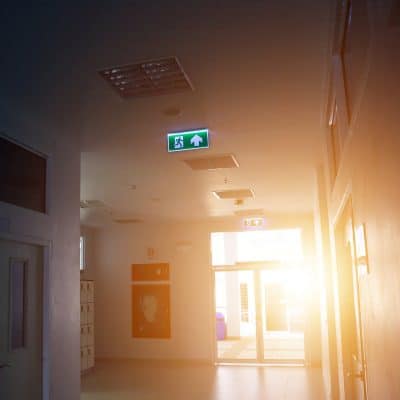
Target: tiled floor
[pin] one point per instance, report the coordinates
(155, 380)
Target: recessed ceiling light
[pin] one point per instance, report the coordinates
(255, 212)
(234, 194)
(212, 163)
(91, 204)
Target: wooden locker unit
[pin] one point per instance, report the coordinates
(83, 314)
(83, 359)
(87, 325)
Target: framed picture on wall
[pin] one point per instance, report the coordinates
(151, 311)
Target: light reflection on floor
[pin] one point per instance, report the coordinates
(277, 346)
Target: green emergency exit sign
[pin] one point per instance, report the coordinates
(188, 140)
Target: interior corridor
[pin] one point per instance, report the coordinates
(133, 134)
(168, 380)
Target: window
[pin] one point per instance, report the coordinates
(82, 253)
(22, 176)
(277, 245)
(281, 245)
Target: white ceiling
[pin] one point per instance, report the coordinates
(258, 70)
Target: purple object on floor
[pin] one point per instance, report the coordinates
(220, 326)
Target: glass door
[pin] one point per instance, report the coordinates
(260, 287)
(235, 316)
(282, 314)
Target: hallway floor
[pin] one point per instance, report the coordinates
(165, 380)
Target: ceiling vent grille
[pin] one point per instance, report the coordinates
(212, 163)
(149, 78)
(92, 204)
(233, 194)
(256, 212)
(84, 205)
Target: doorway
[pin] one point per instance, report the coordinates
(21, 321)
(351, 333)
(259, 305)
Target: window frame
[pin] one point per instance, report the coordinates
(47, 170)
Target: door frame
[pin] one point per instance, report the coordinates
(46, 246)
(256, 268)
(343, 216)
(216, 360)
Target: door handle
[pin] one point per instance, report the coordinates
(5, 366)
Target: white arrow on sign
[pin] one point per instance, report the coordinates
(196, 140)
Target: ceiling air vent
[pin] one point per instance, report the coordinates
(128, 221)
(149, 78)
(211, 163)
(256, 212)
(84, 205)
(233, 194)
(92, 204)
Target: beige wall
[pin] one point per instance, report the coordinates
(369, 172)
(117, 248)
(187, 248)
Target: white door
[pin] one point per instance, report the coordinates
(357, 365)
(352, 344)
(21, 294)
